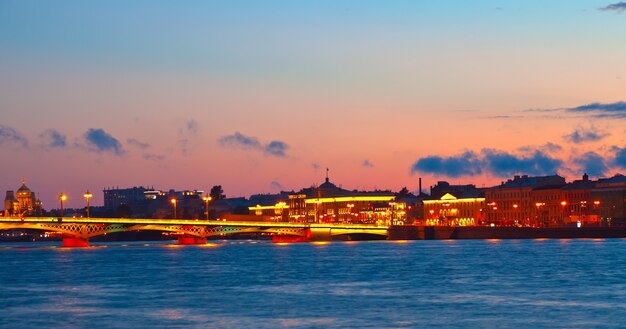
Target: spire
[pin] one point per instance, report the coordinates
(327, 180)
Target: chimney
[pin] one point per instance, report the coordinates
(419, 192)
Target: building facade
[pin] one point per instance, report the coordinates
(331, 204)
(513, 202)
(452, 211)
(22, 203)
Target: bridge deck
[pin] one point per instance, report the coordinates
(194, 222)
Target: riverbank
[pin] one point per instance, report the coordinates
(486, 232)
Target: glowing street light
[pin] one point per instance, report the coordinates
(564, 204)
(62, 198)
(88, 196)
(206, 203)
(173, 201)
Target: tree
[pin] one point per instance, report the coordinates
(404, 192)
(217, 193)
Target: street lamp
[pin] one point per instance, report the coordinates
(88, 196)
(173, 201)
(563, 212)
(62, 197)
(206, 203)
(583, 212)
(539, 212)
(350, 206)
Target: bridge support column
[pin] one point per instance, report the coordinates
(286, 238)
(187, 240)
(75, 242)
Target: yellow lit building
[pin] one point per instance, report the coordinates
(278, 212)
(453, 211)
(331, 204)
(24, 202)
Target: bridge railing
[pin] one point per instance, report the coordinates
(194, 222)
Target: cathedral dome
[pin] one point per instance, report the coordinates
(23, 190)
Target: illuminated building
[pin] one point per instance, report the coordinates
(608, 201)
(148, 202)
(513, 203)
(278, 212)
(113, 198)
(24, 202)
(577, 205)
(328, 203)
(449, 210)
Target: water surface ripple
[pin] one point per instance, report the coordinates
(417, 284)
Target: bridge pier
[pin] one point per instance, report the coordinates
(287, 238)
(189, 240)
(75, 242)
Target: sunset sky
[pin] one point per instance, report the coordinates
(263, 96)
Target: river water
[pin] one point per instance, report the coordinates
(382, 284)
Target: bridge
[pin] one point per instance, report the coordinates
(76, 232)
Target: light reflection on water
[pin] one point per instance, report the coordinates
(252, 284)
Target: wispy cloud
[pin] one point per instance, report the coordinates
(503, 117)
(276, 185)
(591, 163)
(100, 141)
(9, 135)
(153, 157)
(137, 143)
(547, 147)
(276, 148)
(241, 141)
(496, 162)
(51, 138)
(192, 126)
(618, 7)
(367, 164)
(615, 110)
(581, 135)
(187, 133)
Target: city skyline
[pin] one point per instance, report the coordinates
(263, 97)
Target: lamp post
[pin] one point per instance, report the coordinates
(206, 205)
(583, 212)
(350, 206)
(173, 201)
(539, 212)
(596, 210)
(563, 211)
(88, 196)
(491, 213)
(515, 214)
(62, 197)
